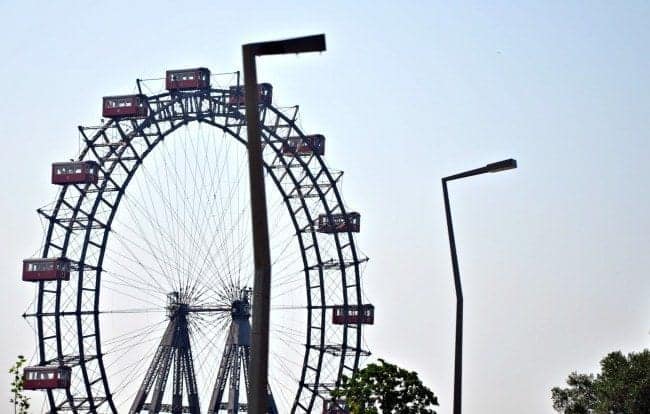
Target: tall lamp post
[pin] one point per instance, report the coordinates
(458, 353)
(258, 392)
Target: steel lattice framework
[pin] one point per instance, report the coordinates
(79, 225)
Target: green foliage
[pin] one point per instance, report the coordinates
(622, 386)
(19, 400)
(385, 388)
(578, 398)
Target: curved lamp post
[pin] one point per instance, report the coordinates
(458, 353)
(258, 392)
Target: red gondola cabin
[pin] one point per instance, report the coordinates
(310, 144)
(265, 91)
(364, 314)
(46, 378)
(127, 106)
(56, 268)
(339, 223)
(187, 79)
(80, 172)
(335, 407)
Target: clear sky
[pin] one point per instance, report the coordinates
(553, 255)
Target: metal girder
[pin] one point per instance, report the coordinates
(235, 362)
(222, 376)
(174, 349)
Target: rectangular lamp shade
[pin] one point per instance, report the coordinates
(315, 43)
(508, 164)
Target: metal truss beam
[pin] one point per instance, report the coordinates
(174, 351)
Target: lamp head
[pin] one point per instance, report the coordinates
(315, 43)
(508, 164)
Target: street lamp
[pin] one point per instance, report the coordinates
(458, 356)
(258, 392)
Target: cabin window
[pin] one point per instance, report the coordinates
(40, 266)
(48, 266)
(65, 170)
(41, 375)
(64, 266)
(182, 76)
(120, 103)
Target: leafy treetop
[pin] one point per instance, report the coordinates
(385, 388)
(622, 386)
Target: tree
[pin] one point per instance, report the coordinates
(622, 387)
(19, 400)
(385, 388)
(578, 398)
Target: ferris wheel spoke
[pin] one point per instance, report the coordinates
(211, 352)
(171, 202)
(167, 243)
(235, 253)
(200, 204)
(209, 257)
(279, 308)
(286, 276)
(199, 211)
(109, 285)
(218, 273)
(131, 370)
(233, 283)
(135, 310)
(214, 201)
(129, 335)
(155, 251)
(128, 241)
(225, 227)
(142, 341)
(227, 251)
(140, 267)
(132, 279)
(193, 221)
(288, 290)
(284, 387)
(126, 272)
(285, 331)
(180, 210)
(175, 215)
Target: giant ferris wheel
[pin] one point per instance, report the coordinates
(143, 281)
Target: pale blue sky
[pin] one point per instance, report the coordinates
(553, 255)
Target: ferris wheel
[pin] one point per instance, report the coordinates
(143, 282)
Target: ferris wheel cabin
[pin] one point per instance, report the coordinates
(125, 106)
(310, 144)
(339, 223)
(363, 314)
(46, 378)
(264, 90)
(335, 407)
(187, 79)
(36, 270)
(80, 172)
